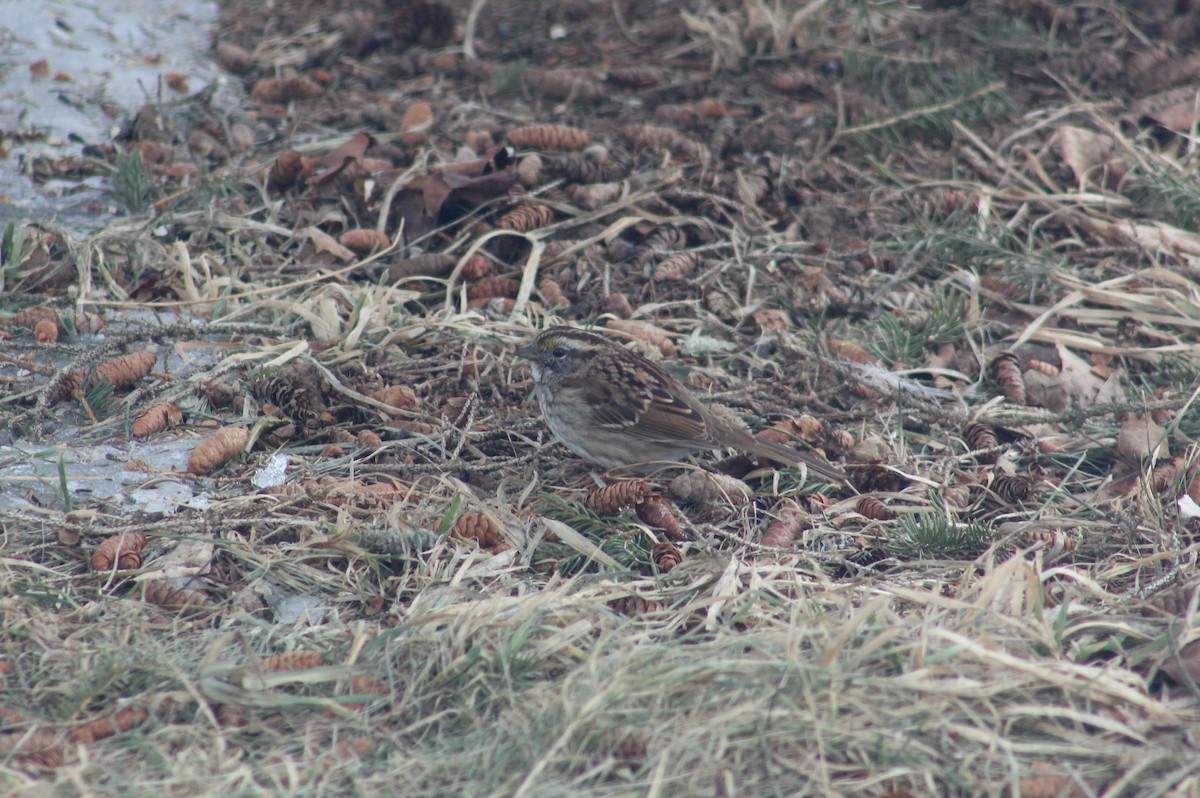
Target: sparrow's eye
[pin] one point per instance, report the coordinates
(559, 353)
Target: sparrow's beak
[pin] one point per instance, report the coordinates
(528, 352)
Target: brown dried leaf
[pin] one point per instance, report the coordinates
(470, 183)
(1141, 439)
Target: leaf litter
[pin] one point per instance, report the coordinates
(366, 565)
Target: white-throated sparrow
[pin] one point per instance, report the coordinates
(615, 407)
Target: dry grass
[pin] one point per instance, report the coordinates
(1018, 619)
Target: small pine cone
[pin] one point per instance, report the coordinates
(807, 428)
(285, 171)
(294, 661)
(701, 487)
(1001, 287)
(665, 556)
(645, 331)
(496, 308)
(478, 141)
(37, 751)
(752, 188)
(353, 749)
(29, 318)
(524, 218)
(1011, 489)
(424, 22)
(798, 81)
(665, 238)
(648, 136)
(720, 302)
(854, 352)
(529, 170)
(636, 77)
(188, 603)
(1053, 538)
(103, 728)
(872, 508)
(363, 242)
(119, 372)
(656, 512)
(617, 304)
(1165, 475)
(869, 478)
(1006, 369)
(434, 264)
(677, 267)
(45, 332)
(957, 496)
(365, 495)
(480, 528)
(552, 293)
(686, 115)
(594, 196)
(416, 123)
(88, 323)
(593, 165)
(565, 84)
(476, 268)
(633, 606)
(400, 397)
(217, 449)
(285, 90)
(981, 436)
(369, 685)
(787, 527)
(163, 415)
(231, 716)
(125, 371)
(549, 137)
(415, 427)
(818, 502)
(123, 550)
(490, 287)
(946, 203)
(685, 148)
(332, 451)
(839, 442)
(612, 499)
(1042, 367)
(369, 439)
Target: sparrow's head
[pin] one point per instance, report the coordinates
(559, 351)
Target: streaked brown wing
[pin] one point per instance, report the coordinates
(653, 407)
